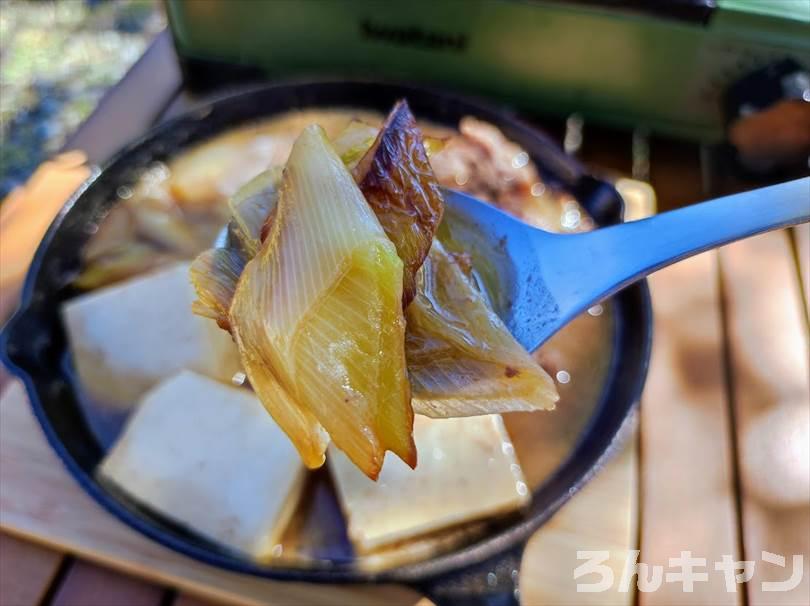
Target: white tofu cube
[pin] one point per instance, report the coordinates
(128, 337)
(210, 457)
(466, 470)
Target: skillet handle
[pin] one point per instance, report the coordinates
(493, 582)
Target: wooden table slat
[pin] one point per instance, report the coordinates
(26, 571)
(675, 173)
(185, 599)
(601, 517)
(86, 584)
(123, 115)
(688, 500)
(767, 335)
(802, 237)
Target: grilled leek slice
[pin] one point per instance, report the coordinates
(317, 314)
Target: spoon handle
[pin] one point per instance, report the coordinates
(599, 263)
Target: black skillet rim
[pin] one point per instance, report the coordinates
(571, 475)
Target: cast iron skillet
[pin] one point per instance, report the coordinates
(33, 343)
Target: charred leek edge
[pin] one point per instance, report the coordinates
(398, 183)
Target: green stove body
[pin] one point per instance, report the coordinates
(663, 66)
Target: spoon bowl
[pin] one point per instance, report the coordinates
(544, 280)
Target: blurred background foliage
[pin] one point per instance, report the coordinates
(57, 59)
